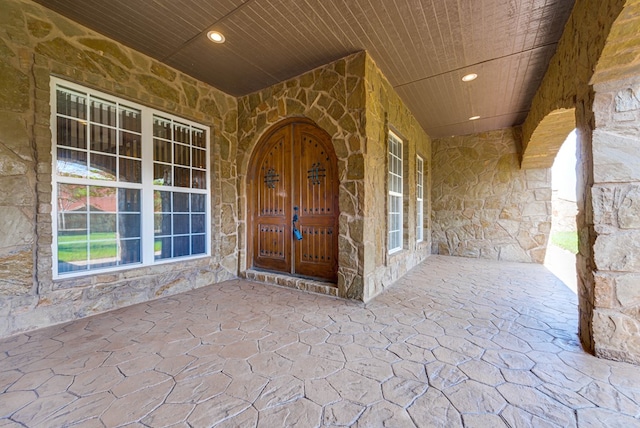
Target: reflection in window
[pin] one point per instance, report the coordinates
(419, 199)
(97, 227)
(99, 183)
(180, 224)
(395, 193)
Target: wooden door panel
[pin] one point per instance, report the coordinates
(316, 194)
(271, 241)
(272, 187)
(294, 170)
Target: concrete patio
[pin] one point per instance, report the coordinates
(456, 342)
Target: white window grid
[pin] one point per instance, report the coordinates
(119, 181)
(419, 199)
(395, 221)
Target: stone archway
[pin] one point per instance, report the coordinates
(547, 138)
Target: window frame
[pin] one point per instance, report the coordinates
(395, 194)
(146, 186)
(419, 198)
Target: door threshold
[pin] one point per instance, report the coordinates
(298, 283)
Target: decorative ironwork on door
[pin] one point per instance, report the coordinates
(295, 202)
(316, 173)
(271, 178)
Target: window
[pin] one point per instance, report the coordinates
(130, 183)
(419, 200)
(395, 193)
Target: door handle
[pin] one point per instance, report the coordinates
(296, 233)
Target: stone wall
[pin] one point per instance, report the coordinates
(354, 103)
(331, 96)
(601, 36)
(36, 43)
(616, 210)
(484, 205)
(385, 111)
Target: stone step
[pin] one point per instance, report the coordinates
(304, 284)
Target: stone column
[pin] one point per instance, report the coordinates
(616, 216)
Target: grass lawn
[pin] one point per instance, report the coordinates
(103, 245)
(566, 240)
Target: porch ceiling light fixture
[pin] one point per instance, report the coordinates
(215, 36)
(474, 118)
(469, 77)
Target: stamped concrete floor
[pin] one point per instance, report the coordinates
(457, 342)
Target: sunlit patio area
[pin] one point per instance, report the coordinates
(456, 342)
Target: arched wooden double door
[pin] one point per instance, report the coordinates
(293, 176)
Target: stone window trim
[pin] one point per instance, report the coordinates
(139, 212)
(395, 193)
(419, 199)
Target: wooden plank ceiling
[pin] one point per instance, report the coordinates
(424, 47)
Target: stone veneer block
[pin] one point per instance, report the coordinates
(484, 205)
(618, 252)
(628, 289)
(615, 157)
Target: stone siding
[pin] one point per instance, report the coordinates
(343, 99)
(36, 43)
(385, 111)
(616, 210)
(331, 96)
(484, 205)
(600, 36)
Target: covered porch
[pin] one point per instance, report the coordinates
(455, 342)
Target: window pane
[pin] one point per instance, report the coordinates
(181, 246)
(71, 103)
(180, 202)
(130, 119)
(162, 224)
(102, 198)
(103, 254)
(198, 203)
(71, 133)
(72, 163)
(129, 225)
(161, 128)
(130, 145)
(103, 112)
(72, 256)
(181, 155)
(198, 223)
(197, 138)
(103, 167)
(199, 179)
(162, 248)
(199, 158)
(180, 224)
(181, 177)
(162, 201)
(161, 174)
(130, 170)
(181, 133)
(103, 139)
(72, 225)
(130, 251)
(102, 226)
(128, 200)
(197, 244)
(162, 151)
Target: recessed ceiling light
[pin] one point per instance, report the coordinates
(469, 77)
(215, 37)
(474, 118)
